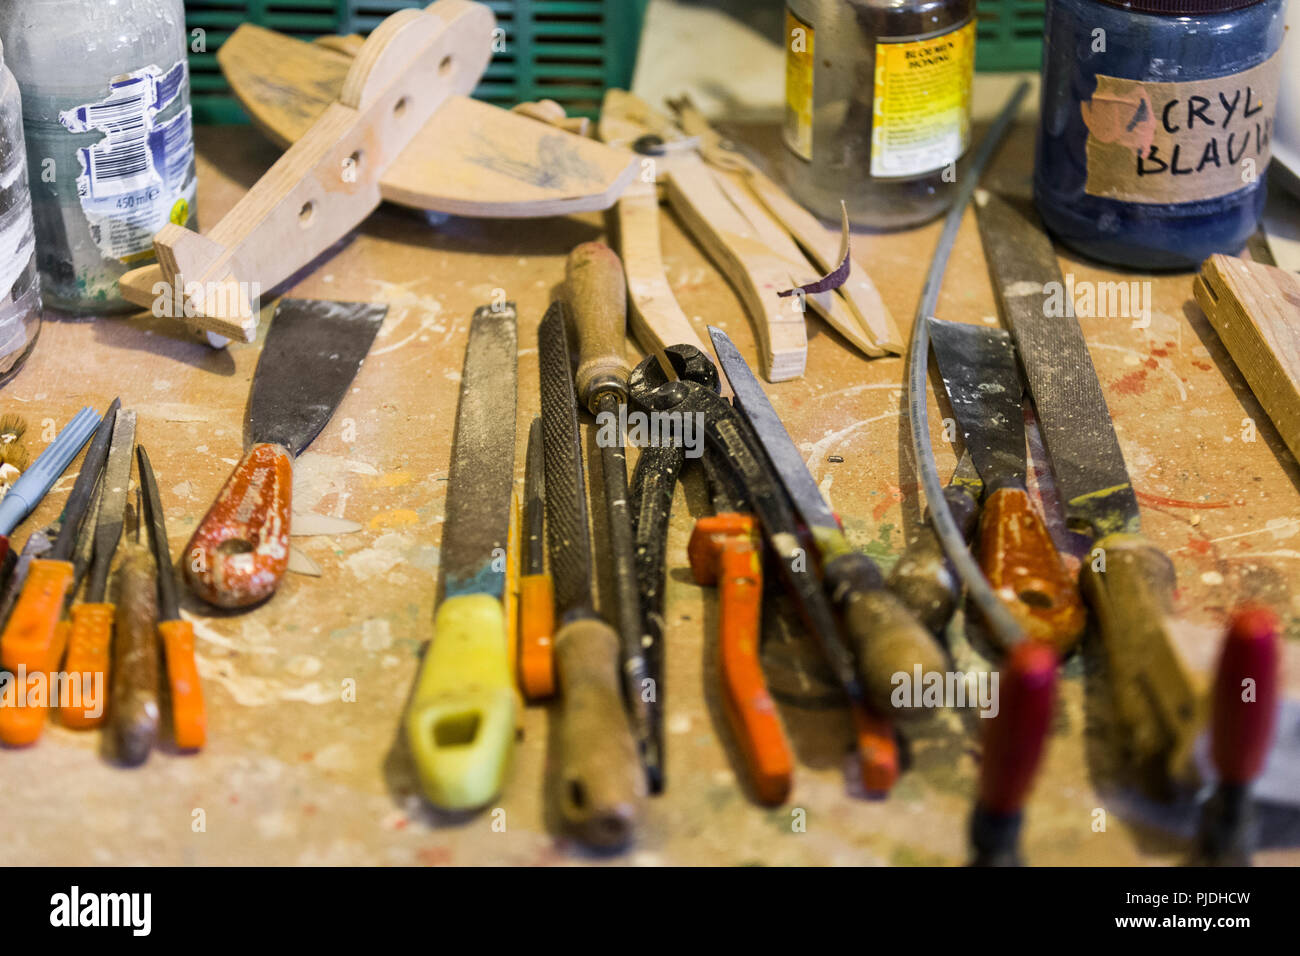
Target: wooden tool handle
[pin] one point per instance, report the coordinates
(87, 665)
(189, 713)
(885, 638)
(723, 549)
(461, 721)
(21, 726)
(1026, 572)
(1242, 728)
(240, 550)
(537, 636)
(924, 579)
(1130, 584)
(601, 779)
(135, 712)
(597, 293)
(29, 635)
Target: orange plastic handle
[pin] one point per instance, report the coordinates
(1021, 562)
(724, 549)
(87, 666)
(240, 550)
(189, 714)
(29, 636)
(21, 725)
(536, 636)
(877, 749)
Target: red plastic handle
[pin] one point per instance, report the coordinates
(1245, 696)
(1016, 735)
(240, 550)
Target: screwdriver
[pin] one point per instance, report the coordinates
(189, 715)
(536, 593)
(1241, 732)
(29, 635)
(91, 633)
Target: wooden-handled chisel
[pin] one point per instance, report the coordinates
(136, 710)
(1128, 580)
(189, 714)
(91, 634)
(885, 637)
(1016, 551)
(597, 292)
(460, 724)
(601, 779)
(240, 550)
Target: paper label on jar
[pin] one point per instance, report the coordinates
(797, 129)
(921, 106)
(136, 177)
(1179, 142)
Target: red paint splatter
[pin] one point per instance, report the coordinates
(1203, 366)
(893, 496)
(1134, 383)
(1160, 353)
(1198, 546)
(309, 809)
(1151, 363)
(434, 856)
(307, 755)
(234, 798)
(1160, 501)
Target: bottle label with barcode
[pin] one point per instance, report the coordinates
(138, 176)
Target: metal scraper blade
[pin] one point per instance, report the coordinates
(978, 365)
(482, 458)
(311, 355)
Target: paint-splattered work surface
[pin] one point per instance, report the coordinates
(305, 763)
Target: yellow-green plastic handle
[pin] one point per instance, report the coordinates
(461, 722)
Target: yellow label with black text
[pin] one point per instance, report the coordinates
(921, 111)
(798, 85)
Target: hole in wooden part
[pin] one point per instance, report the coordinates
(306, 212)
(234, 546)
(1036, 598)
(399, 107)
(445, 66)
(354, 165)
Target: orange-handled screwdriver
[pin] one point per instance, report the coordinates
(724, 550)
(189, 715)
(29, 636)
(536, 594)
(91, 634)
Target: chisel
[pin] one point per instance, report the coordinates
(27, 492)
(314, 349)
(460, 724)
(135, 712)
(884, 636)
(601, 779)
(536, 594)
(91, 634)
(1016, 551)
(1128, 580)
(28, 638)
(597, 292)
(189, 714)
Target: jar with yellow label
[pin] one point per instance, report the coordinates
(877, 110)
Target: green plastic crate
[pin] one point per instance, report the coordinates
(1009, 34)
(565, 50)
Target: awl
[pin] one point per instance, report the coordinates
(460, 724)
(240, 550)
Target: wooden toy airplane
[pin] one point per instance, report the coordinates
(393, 121)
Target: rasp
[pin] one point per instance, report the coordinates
(601, 779)
(1016, 551)
(91, 634)
(461, 721)
(240, 550)
(1128, 580)
(885, 638)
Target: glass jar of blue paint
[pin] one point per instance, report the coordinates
(1154, 126)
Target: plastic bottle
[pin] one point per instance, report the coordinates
(110, 147)
(20, 294)
(1154, 127)
(877, 106)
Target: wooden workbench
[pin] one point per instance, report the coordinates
(297, 773)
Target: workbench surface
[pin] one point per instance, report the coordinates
(295, 772)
